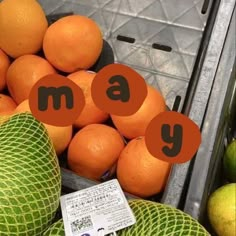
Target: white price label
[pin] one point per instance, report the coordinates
(101, 207)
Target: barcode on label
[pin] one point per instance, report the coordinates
(82, 224)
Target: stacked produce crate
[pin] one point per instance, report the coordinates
(218, 131)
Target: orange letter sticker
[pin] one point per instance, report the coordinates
(172, 137)
(56, 100)
(119, 90)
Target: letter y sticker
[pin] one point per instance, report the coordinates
(172, 137)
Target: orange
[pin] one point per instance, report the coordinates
(7, 105)
(94, 151)
(5, 117)
(72, 43)
(138, 172)
(22, 27)
(91, 113)
(23, 73)
(4, 65)
(23, 107)
(135, 125)
(60, 136)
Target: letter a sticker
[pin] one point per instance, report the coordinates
(119, 90)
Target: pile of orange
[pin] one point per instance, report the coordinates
(72, 45)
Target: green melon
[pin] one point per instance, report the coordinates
(152, 219)
(155, 219)
(30, 177)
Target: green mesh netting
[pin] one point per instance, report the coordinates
(30, 180)
(57, 229)
(152, 219)
(155, 219)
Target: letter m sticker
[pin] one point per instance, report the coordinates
(56, 93)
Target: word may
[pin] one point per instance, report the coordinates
(117, 90)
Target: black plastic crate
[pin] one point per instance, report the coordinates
(219, 128)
